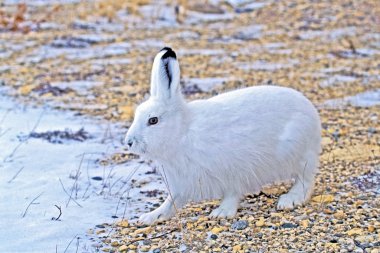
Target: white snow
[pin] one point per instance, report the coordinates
(31, 171)
(364, 99)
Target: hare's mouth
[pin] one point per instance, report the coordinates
(138, 147)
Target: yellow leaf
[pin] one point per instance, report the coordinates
(236, 248)
(354, 231)
(123, 224)
(123, 248)
(146, 230)
(323, 198)
(26, 89)
(216, 230)
(260, 222)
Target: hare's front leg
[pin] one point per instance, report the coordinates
(228, 207)
(164, 212)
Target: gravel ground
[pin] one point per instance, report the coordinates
(95, 58)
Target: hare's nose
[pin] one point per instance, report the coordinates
(130, 143)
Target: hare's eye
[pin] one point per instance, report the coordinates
(152, 121)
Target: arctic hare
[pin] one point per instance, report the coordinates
(226, 146)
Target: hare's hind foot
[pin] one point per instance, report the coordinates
(303, 188)
(164, 212)
(290, 200)
(227, 209)
(298, 194)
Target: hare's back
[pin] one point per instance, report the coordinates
(257, 113)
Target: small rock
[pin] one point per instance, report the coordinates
(123, 224)
(146, 230)
(145, 248)
(217, 230)
(354, 231)
(340, 215)
(289, 225)
(214, 236)
(323, 198)
(157, 251)
(366, 238)
(236, 248)
(114, 244)
(123, 248)
(132, 247)
(305, 223)
(260, 222)
(147, 242)
(240, 225)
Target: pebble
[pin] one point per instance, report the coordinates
(323, 198)
(289, 225)
(354, 231)
(145, 230)
(114, 244)
(217, 230)
(145, 248)
(157, 251)
(147, 242)
(236, 248)
(339, 215)
(240, 225)
(123, 248)
(123, 224)
(132, 247)
(214, 236)
(260, 222)
(371, 228)
(305, 223)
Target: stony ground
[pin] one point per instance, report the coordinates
(95, 57)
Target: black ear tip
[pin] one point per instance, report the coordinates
(169, 53)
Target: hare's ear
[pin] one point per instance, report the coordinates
(165, 75)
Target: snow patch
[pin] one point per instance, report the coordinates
(35, 173)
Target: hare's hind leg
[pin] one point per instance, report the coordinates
(164, 212)
(304, 184)
(228, 207)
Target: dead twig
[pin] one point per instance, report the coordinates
(14, 177)
(352, 46)
(60, 213)
(63, 187)
(70, 243)
(31, 203)
(75, 181)
(4, 116)
(4, 132)
(154, 237)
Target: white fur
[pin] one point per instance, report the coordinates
(227, 146)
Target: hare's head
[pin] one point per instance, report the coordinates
(159, 121)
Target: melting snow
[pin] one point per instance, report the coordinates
(35, 173)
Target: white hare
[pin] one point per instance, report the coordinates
(226, 146)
